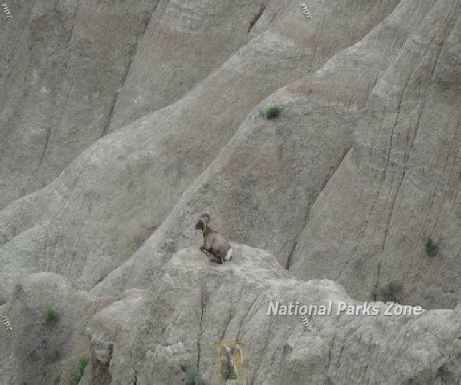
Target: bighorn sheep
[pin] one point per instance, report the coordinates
(213, 242)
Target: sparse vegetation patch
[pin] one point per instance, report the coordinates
(432, 248)
(272, 112)
(52, 315)
(79, 371)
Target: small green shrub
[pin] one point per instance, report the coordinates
(432, 248)
(272, 112)
(79, 371)
(193, 377)
(52, 315)
(83, 363)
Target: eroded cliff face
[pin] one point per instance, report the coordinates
(399, 187)
(123, 121)
(194, 309)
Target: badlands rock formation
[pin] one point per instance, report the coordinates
(123, 121)
(155, 336)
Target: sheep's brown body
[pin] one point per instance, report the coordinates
(214, 243)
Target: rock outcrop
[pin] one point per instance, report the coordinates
(196, 307)
(117, 192)
(398, 191)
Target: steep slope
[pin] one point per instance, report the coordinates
(194, 307)
(73, 70)
(261, 187)
(354, 187)
(192, 37)
(400, 186)
(61, 66)
(113, 196)
(184, 41)
(47, 315)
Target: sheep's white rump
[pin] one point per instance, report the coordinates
(228, 256)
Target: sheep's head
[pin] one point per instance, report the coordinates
(202, 222)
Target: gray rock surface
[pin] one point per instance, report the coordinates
(113, 196)
(286, 162)
(62, 65)
(74, 70)
(195, 305)
(122, 122)
(400, 185)
(49, 318)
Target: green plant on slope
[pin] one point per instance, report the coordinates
(432, 248)
(272, 112)
(79, 371)
(52, 315)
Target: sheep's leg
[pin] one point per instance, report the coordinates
(208, 254)
(216, 258)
